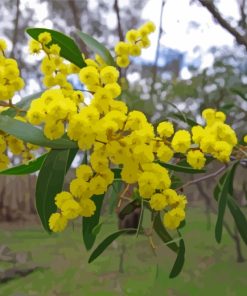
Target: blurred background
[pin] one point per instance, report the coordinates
(197, 59)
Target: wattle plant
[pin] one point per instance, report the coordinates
(117, 144)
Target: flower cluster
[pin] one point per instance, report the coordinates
(135, 41)
(118, 138)
(216, 138)
(10, 80)
(115, 137)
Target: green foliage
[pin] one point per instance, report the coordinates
(106, 242)
(89, 223)
(25, 169)
(97, 47)
(50, 182)
(69, 50)
(163, 234)
(182, 168)
(30, 134)
(178, 265)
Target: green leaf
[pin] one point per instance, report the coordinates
(176, 182)
(240, 93)
(89, 223)
(107, 241)
(180, 168)
(50, 182)
(97, 47)
(72, 154)
(117, 173)
(185, 119)
(30, 134)
(179, 263)
(163, 233)
(69, 50)
(129, 208)
(97, 228)
(226, 187)
(239, 218)
(24, 169)
(23, 104)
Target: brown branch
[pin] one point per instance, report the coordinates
(242, 21)
(155, 66)
(119, 27)
(219, 18)
(74, 10)
(16, 25)
(206, 177)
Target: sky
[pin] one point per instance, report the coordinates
(179, 35)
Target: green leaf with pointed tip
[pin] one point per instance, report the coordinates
(50, 182)
(225, 188)
(69, 50)
(240, 93)
(163, 233)
(106, 242)
(181, 168)
(30, 134)
(89, 223)
(239, 218)
(179, 263)
(97, 47)
(25, 169)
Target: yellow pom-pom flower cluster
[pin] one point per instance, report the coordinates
(216, 138)
(116, 137)
(10, 80)
(53, 66)
(135, 41)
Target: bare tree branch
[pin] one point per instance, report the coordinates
(203, 178)
(16, 25)
(76, 17)
(119, 27)
(155, 66)
(216, 14)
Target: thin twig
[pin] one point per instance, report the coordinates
(155, 66)
(16, 26)
(119, 27)
(203, 178)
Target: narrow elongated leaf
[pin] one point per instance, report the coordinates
(72, 154)
(117, 173)
(240, 93)
(23, 105)
(163, 233)
(129, 208)
(50, 182)
(225, 188)
(185, 119)
(180, 168)
(107, 241)
(97, 47)
(89, 223)
(24, 169)
(30, 134)
(239, 218)
(69, 50)
(179, 263)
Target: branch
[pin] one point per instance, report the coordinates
(74, 11)
(219, 18)
(155, 66)
(16, 25)
(119, 27)
(206, 177)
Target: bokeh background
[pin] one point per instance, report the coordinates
(197, 59)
